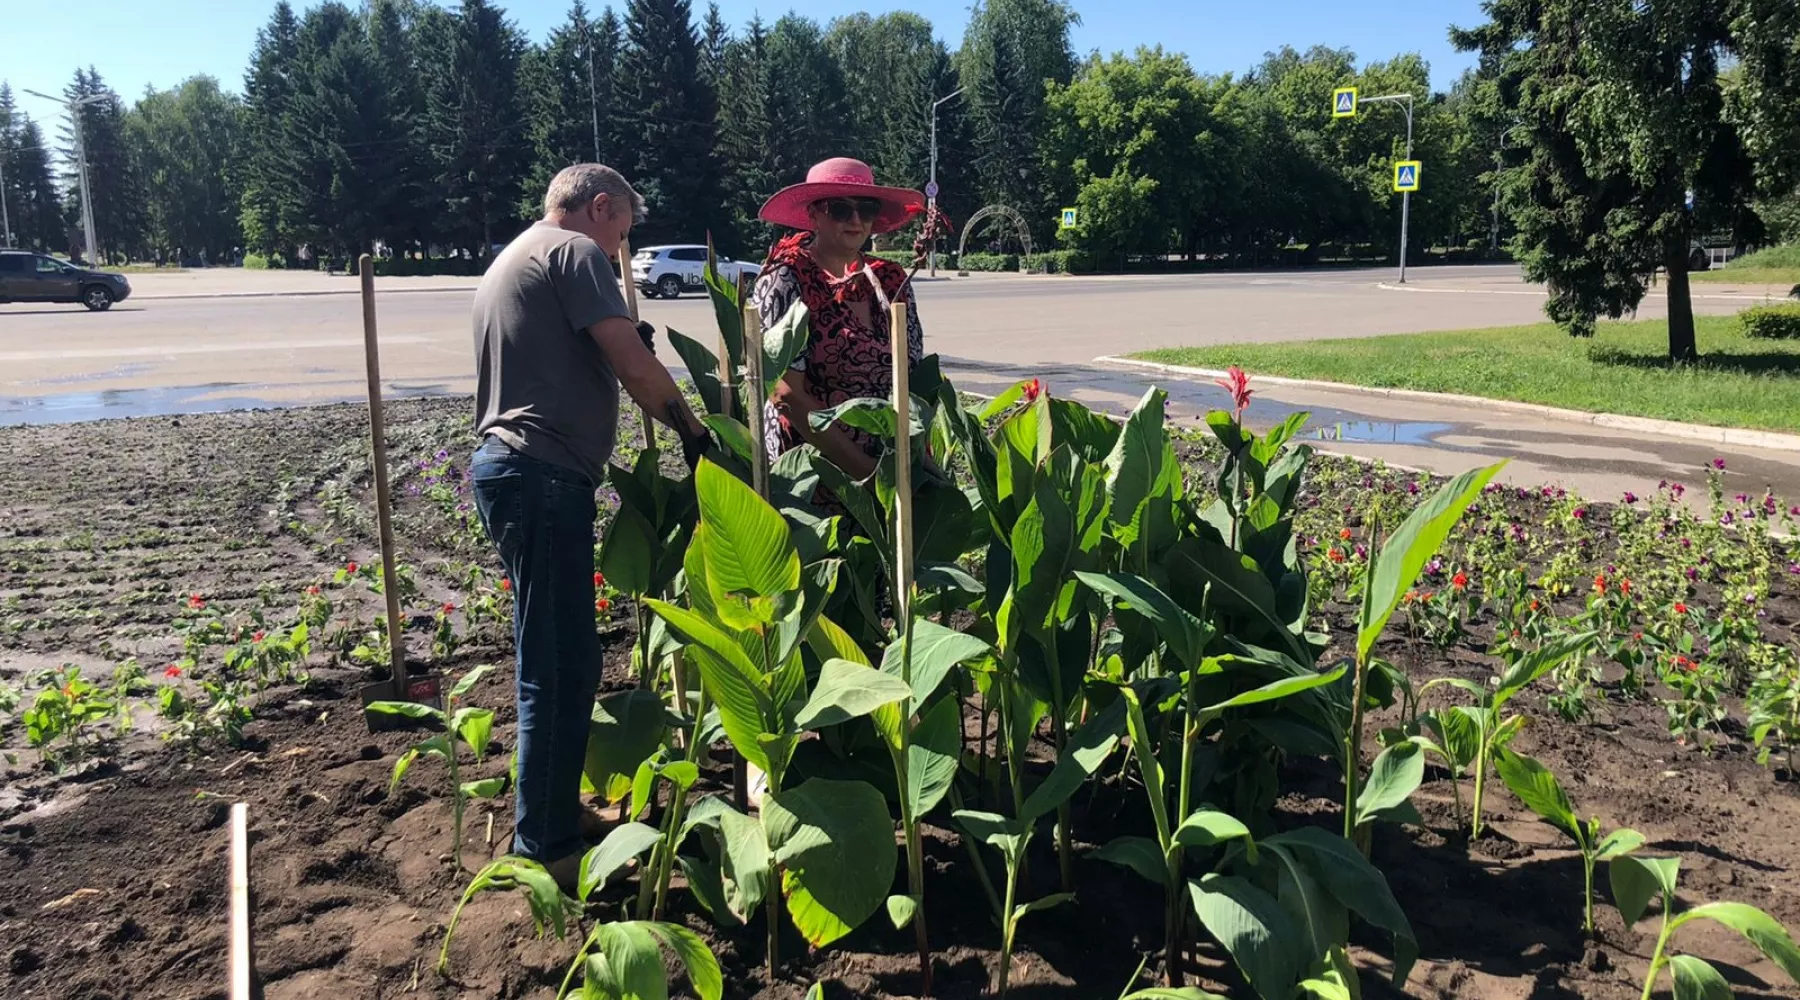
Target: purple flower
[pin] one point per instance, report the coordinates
(1769, 504)
(1749, 597)
(1727, 519)
(1630, 497)
(1435, 567)
(1581, 513)
(1742, 498)
(1718, 463)
(1692, 573)
(1361, 551)
(1677, 489)
(1686, 543)
(1795, 510)
(1412, 488)
(1794, 568)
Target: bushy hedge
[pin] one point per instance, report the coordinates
(258, 262)
(989, 262)
(1771, 322)
(904, 258)
(414, 267)
(1058, 262)
(1787, 255)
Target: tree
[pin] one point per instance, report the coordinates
(476, 124)
(557, 87)
(715, 41)
(1622, 110)
(670, 155)
(36, 211)
(406, 209)
(117, 212)
(1010, 50)
(262, 163)
(747, 161)
(182, 145)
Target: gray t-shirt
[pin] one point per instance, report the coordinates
(543, 386)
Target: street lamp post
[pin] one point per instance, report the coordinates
(931, 193)
(1405, 101)
(74, 106)
(5, 216)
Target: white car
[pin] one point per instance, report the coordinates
(665, 272)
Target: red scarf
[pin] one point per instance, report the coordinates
(828, 296)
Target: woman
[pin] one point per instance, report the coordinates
(847, 295)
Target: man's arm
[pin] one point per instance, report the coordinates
(792, 399)
(644, 378)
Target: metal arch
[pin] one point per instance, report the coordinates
(1007, 214)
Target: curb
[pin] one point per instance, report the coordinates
(1730, 296)
(300, 293)
(1733, 436)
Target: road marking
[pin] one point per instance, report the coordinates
(153, 350)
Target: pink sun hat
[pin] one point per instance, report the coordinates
(841, 177)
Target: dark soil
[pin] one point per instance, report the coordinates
(116, 869)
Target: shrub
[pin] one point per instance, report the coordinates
(1059, 262)
(989, 262)
(260, 262)
(1771, 322)
(904, 258)
(1787, 255)
(419, 267)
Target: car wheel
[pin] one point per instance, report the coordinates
(669, 286)
(96, 298)
(1698, 261)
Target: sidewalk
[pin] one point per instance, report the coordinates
(1444, 438)
(236, 282)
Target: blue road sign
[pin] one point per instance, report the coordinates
(931, 190)
(1343, 102)
(1406, 175)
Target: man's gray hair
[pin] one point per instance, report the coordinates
(573, 188)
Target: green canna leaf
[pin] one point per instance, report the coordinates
(834, 843)
(1757, 927)
(623, 843)
(1696, 980)
(1635, 881)
(1396, 568)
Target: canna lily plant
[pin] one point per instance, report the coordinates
(1535, 786)
(1636, 880)
(468, 725)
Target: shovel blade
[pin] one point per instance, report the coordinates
(425, 689)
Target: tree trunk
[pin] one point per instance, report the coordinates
(1681, 305)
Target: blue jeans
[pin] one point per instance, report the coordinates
(541, 519)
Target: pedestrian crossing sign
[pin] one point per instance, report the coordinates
(1068, 218)
(1406, 175)
(1343, 102)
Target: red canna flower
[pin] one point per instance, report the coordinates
(1238, 384)
(599, 579)
(449, 607)
(1033, 389)
(1536, 604)
(313, 591)
(1335, 555)
(1460, 581)
(602, 605)
(1685, 664)
(1344, 534)
(350, 568)
(1426, 596)
(196, 602)
(1624, 585)
(258, 637)
(1680, 608)
(1600, 584)
(505, 584)
(171, 671)
(1411, 596)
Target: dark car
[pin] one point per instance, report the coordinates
(36, 277)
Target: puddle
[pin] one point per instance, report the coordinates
(1381, 432)
(122, 371)
(214, 397)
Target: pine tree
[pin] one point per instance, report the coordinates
(476, 124)
(37, 216)
(565, 86)
(671, 157)
(715, 41)
(1010, 49)
(268, 89)
(747, 159)
(9, 168)
(117, 212)
(404, 212)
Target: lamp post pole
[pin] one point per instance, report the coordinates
(74, 105)
(1406, 102)
(931, 194)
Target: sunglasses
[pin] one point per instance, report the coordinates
(845, 209)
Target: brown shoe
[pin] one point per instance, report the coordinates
(566, 870)
(593, 824)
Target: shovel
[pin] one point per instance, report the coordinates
(426, 688)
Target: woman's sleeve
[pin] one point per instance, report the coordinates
(776, 292)
(915, 334)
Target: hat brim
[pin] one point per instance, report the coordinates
(787, 207)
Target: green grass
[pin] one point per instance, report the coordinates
(1624, 369)
(1778, 265)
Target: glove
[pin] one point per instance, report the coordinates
(648, 333)
(693, 446)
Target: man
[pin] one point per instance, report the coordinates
(553, 343)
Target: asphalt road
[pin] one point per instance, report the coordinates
(154, 356)
(151, 355)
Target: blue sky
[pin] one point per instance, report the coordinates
(139, 43)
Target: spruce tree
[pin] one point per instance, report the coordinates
(262, 162)
(477, 125)
(117, 211)
(670, 111)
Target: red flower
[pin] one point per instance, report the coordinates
(449, 607)
(505, 584)
(1344, 534)
(1335, 555)
(1426, 596)
(1535, 604)
(350, 568)
(1411, 596)
(196, 602)
(1238, 384)
(1033, 389)
(1600, 584)
(599, 579)
(1680, 608)
(602, 605)
(1625, 585)
(1460, 581)
(313, 591)
(258, 637)
(1686, 664)
(171, 671)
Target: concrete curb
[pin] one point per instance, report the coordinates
(298, 293)
(1731, 436)
(1729, 296)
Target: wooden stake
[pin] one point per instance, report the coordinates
(903, 495)
(631, 305)
(383, 503)
(243, 964)
(757, 391)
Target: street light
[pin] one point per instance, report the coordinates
(931, 188)
(5, 217)
(74, 106)
(1405, 100)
